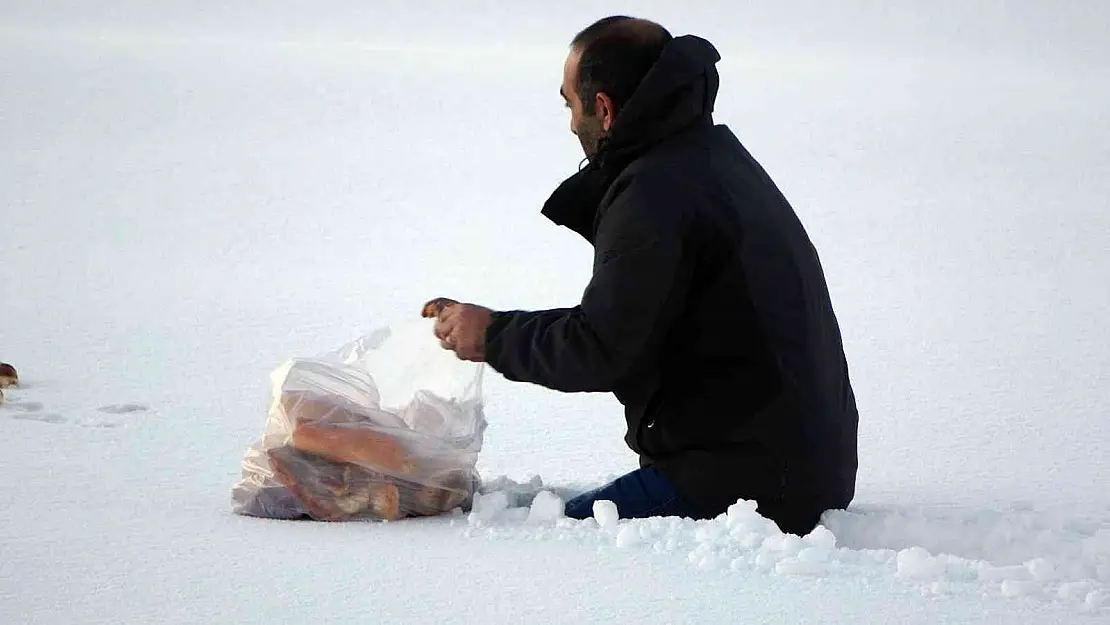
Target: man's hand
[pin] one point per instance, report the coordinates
(461, 327)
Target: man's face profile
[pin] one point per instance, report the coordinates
(589, 127)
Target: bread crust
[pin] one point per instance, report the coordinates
(436, 306)
(361, 446)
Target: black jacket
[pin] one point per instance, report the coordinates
(707, 315)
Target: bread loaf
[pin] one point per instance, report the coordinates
(355, 445)
(385, 501)
(307, 478)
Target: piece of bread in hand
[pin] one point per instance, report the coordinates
(8, 376)
(434, 307)
(362, 446)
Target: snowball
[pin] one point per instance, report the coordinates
(629, 536)
(547, 507)
(917, 563)
(605, 513)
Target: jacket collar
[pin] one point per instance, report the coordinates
(575, 201)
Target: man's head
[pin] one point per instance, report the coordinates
(606, 63)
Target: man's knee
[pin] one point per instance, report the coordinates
(580, 507)
(641, 493)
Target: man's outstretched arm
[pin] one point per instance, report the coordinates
(641, 275)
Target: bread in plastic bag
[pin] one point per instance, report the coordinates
(386, 427)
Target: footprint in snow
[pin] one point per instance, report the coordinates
(32, 411)
(119, 410)
(123, 408)
(42, 417)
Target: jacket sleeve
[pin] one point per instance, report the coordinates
(640, 276)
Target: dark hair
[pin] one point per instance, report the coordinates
(615, 54)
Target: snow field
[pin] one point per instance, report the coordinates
(191, 195)
(1009, 554)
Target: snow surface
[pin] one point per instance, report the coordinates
(190, 195)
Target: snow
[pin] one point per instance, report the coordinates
(916, 563)
(741, 542)
(546, 508)
(189, 196)
(606, 514)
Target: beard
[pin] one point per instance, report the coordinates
(590, 133)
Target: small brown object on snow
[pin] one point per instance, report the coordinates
(8, 376)
(436, 306)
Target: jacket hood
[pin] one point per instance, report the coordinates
(676, 94)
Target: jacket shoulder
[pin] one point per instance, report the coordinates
(682, 161)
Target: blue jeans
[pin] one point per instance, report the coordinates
(639, 494)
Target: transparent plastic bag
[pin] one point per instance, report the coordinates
(386, 427)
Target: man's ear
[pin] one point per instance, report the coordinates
(603, 104)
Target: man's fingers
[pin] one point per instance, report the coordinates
(449, 311)
(444, 327)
